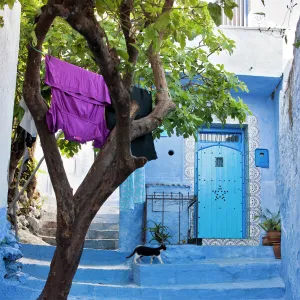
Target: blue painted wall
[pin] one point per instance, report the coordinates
(175, 212)
(3, 230)
(170, 169)
(167, 168)
(262, 103)
(3, 217)
(288, 177)
(264, 109)
(131, 230)
(132, 205)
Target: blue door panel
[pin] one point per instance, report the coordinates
(220, 192)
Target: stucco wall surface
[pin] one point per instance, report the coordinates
(289, 179)
(9, 47)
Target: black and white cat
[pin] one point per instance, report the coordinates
(141, 251)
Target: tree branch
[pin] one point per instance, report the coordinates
(103, 163)
(86, 24)
(164, 105)
(126, 8)
(38, 108)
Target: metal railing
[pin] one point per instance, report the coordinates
(171, 210)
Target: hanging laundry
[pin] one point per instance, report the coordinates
(30, 140)
(144, 145)
(27, 122)
(78, 101)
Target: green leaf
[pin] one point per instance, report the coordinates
(297, 44)
(136, 47)
(100, 7)
(215, 12)
(156, 44)
(10, 3)
(34, 38)
(230, 3)
(228, 12)
(123, 53)
(163, 21)
(182, 38)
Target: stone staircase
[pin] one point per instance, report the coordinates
(102, 234)
(190, 272)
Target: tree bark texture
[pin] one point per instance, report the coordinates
(30, 190)
(17, 151)
(115, 162)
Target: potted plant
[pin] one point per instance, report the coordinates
(277, 244)
(271, 224)
(159, 233)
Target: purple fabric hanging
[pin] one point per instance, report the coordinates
(78, 101)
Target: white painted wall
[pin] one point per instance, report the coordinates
(259, 51)
(277, 15)
(76, 168)
(255, 54)
(9, 47)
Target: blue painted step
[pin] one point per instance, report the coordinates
(174, 254)
(107, 244)
(207, 271)
(113, 274)
(192, 253)
(102, 234)
(89, 256)
(260, 290)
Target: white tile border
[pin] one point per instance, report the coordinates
(252, 178)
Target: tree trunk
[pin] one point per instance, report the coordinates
(17, 151)
(33, 183)
(62, 270)
(115, 162)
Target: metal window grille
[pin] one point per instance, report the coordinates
(220, 137)
(174, 210)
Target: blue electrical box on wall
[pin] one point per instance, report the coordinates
(262, 158)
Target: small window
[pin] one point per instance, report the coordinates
(219, 162)
(220, 137)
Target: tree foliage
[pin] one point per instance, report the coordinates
(199, 88)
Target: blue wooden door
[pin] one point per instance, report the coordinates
(220, 191)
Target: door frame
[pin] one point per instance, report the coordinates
(199, 146)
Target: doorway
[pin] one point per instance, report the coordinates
(220, 184)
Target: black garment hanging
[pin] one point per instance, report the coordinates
(30, 140)
(144, 145)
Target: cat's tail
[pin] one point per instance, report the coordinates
(131, 254)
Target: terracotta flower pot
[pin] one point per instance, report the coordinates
(277, 249)
(265, 241)
(274, 236)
